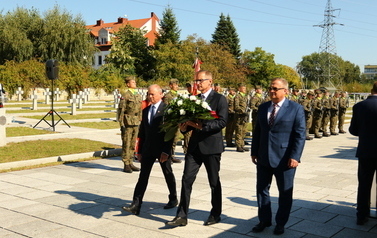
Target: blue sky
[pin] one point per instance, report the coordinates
(281, 27)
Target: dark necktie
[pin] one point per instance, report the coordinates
(272, 116)
(153, 111)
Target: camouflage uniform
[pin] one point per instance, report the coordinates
(231, 123)
(240, 108)
(334, 114)
(326, 106)
(255, 101)
(317, 115)
(342, 112)
(307, 104)
(129, 112)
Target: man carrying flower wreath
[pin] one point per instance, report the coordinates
(205, 147)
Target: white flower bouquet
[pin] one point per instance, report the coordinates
(184, 108)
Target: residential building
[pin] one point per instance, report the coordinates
(370, 71)
(103, 32)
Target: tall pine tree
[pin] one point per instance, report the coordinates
(226, 36)
(169, 30)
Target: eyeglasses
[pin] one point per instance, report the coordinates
(274, 89)
(200, 80)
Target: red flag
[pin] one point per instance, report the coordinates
(196, 66)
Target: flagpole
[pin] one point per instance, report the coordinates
(196, 67)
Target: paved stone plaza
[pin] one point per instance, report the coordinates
(84, 199)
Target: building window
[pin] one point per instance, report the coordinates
(100, 60)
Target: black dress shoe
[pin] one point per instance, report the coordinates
(260, 226)
(279, 229)
(177, 221)
(212, 220)
(174, 160)
(171, 204)
(132, 209)
(361, 221)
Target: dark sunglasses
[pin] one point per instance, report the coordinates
(274, 89)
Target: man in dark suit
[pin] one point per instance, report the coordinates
(205, 147)
(278, 142)
(152, 146)
(363, 125)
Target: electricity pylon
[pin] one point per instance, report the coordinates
(327, 47)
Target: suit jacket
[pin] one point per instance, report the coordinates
(210, 138)
(284, 140)
(363, 125)
(151, 138)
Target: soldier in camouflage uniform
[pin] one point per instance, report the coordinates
(255, 101)
(231, 123)
(173, 93)
(307, 104)
(326, 106)
(129, 118)
(295, 96)
(343, 105)
(240, 108)
(317, 113)
(334, 111)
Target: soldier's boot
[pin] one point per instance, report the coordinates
(134, 168)
(316, 134)
(334, 133)
(240, 149)
(127, 168)
(325, 134)
(341, 131)
(307, 135)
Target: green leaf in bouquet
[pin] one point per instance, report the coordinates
(170, 133)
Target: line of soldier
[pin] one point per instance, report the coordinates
(322, 111)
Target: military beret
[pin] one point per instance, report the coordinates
(258, 87)
(311, 93)
(188, 85)
(173, 81)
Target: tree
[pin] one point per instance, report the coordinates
(169, 30)
(312, 69)
(131, 53)
(290, 75)
(260, 66)
(57, 35)
(226, 36)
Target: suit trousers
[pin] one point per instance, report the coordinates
(145, 171)
(193, 162)
(366, 170)
(284, 181)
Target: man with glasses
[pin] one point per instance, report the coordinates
(205, 147)
(277, 145)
